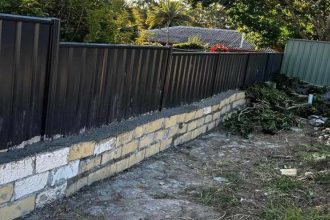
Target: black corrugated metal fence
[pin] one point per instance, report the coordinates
(50, 88)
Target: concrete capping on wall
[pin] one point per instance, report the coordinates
(44, 172)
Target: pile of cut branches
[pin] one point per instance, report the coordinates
(272, 110)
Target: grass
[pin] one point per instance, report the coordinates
(218, 197)
(285, 209)
(286, 184)
(322, 178)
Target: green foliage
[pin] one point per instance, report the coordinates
(211, 16)
(273, 110)
(23, 7)
(272, 22)
(144, 37)
(167, 13)
(323, 178)
(269, 112)
(218, 197)
(286, 184)
(193, 42)
(266, 23)
(285, 209)
(81, 20)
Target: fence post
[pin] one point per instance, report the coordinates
(51, 73)
(246, 69)
(266, 68)
(166, 78)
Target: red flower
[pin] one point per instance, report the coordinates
(219, 48)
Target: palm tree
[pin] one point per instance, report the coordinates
(167, 13)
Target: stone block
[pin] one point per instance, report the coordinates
(30, 184)
(111, 155)
(200, 122)
(61, 174)
(215, 108)
(232, 98)
(161, 135)
(88, 164)
(198, 131)
(180, 118)
(192, 125)
(16, 170)
(81, 150)
(207, 110)
(182, 139)
(165, 144)
(129, 147)
(152, 150)
(124, 138)
(50, 195)
(153, 126)
(182, 128)
(76, 186)
(51, 160)
(211, 125)
(136, 158)
(105, 145)
(172, 131)
(170, 122)
(18, 208)
(216, 116)
(239, 103)
(240, 95)
(199, 113)
(122, 165)
(146, 140)
(6, 192)
(189, 116)
(138, 132)
(101, 174)
(208, 119)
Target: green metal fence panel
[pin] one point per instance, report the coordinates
(308, 61)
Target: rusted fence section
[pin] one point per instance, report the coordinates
(51, 88)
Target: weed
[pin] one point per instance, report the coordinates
(322, 178)
(233, 177)
(286, 184)
(285, 209)
(218, 197)
(293, 213)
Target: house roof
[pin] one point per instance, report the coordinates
(180, 34)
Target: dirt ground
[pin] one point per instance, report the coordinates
(217, 176)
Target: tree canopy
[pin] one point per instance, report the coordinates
(266, 23)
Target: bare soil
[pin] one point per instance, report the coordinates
(217, 176)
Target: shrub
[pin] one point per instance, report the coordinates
(193, 42)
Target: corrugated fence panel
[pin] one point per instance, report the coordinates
(256, 68)
(273, 65)
(100, 84)
(190, 77)
(24, 50)
(307, 60)
(231, 71)
(51, 88)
